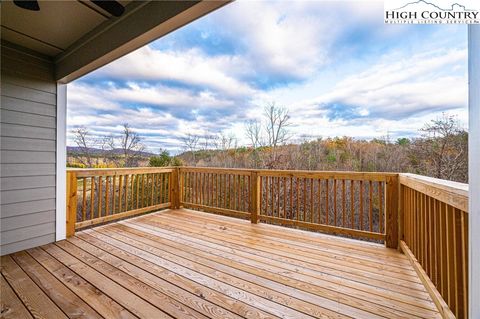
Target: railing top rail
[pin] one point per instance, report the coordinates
(451, 193)
(297, 173)
(371, 176)
(236, 171)
(88, 172)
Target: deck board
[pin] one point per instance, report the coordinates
(12, 307)
(188, 264)
(63, 297)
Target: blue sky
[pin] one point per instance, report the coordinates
(337, 68)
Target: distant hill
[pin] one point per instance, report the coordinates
(75, 150)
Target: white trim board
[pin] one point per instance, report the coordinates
(61, 160)
(474, 169)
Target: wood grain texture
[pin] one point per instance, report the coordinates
(10, 306)
(391, 206)
(328, 229)
(451, 193)
(95, 298)
(136, 305)
(139, 269)
(290, 198)
(200, 244)
(63, 297)
(387, 207)
(104, 219)
(84, 172)
(436, 297)
(183, 263)
(71, 203)
(108, 200)
(255, 188)
(434, 233)
(34, 299)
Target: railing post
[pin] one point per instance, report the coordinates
(254, 196)
(392, 216)
(71, 203)
(401, 213)
(180, 187)
(175, 189)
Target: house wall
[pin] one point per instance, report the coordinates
(28, 149)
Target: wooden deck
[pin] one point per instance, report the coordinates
(187, 264)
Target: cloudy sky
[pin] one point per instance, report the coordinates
(334, 65)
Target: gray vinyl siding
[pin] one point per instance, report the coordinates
(28, 146)
(29, 207)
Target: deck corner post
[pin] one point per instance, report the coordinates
(401, 218)
(392, 213)
(254, 196)
(71, 202)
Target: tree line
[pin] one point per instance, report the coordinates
(439, 151)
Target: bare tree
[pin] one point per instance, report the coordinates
(207, 141)
(276, 126)
(129, 144)
(226, 142)
(104, 143)
(253, 130)
(190, 143)
(444, 148)
(85, 145)
(226, 147)
(277, 122)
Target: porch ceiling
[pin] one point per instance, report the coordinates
(80, 37)
(54, 28)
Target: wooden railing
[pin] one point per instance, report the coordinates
(426, 218)
(435, 238)
(345, 203)
(97, 196)
(225, 191)
(360, 205)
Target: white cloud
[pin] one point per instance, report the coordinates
(191, 67)
(277, 43)
(85, 98)
(395, 96)
(164, 95)
(96, 109)
(286, 52)
(392, 88)
(295, 39)
(272, 39)
(423, 82)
